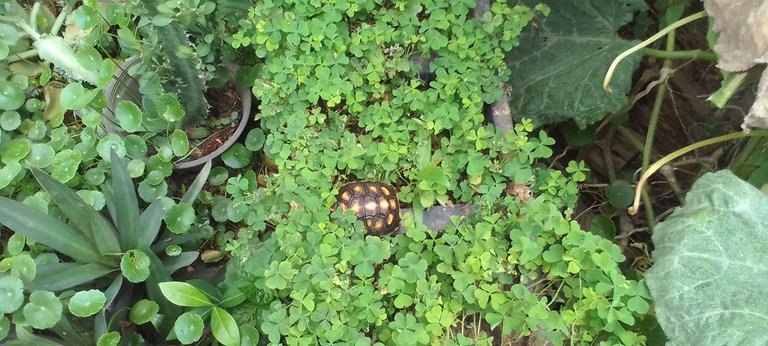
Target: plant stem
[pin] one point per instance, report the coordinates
(60, 19)
(661, 92)
(681, 54)
(645, 43)
(21, 56)
(677, 153)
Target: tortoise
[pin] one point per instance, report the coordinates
(375, 203)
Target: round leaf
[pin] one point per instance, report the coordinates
(10, 120)
(17, 149)
(11, 294)
(255, 139)
(65, 164)
(237, 156)
(109, 339)
(179, 142)
(87, 303)
(75, 96)
(135, 266)
(135, 146)
(40, 155)
(108, 143)
(43, 310)
(5, 327)
(143, 311)
(11, 96)
(8, 173)
(180, 218)
(128, 116)
(218, 176)
(620, 194)
(188, 327)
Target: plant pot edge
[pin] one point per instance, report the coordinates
(111, 92)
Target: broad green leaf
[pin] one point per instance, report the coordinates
(11, 294)
(184, 294)
(86, 219)
(126, 204)
(108, 144)
(197, 185)
(179, 142)
(75, 96)
(224, 327)
(188, 327)
(65, 164)
(109, 339)
(11, 96)
(47, 230)
(237, 156)
(179, 218)
(143, 311)
(619, 194)
(709, 278)
(5, 327)
(10, 120)
(62, 276)
(87, 303)
(129, 116)
(40, 155)
(135, 265)
(44, 310)
(558, 68)
(8, 173)
(254, 141)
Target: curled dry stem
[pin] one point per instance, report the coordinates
(645, 43)
(680, 152)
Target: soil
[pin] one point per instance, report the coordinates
(223, 102)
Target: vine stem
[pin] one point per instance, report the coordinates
(641, 45)
(677, 153)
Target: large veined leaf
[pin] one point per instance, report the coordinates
(61, 276)
(710, 271)
(558, 69)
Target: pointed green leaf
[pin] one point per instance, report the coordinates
(184, 294)
(44, 229)
(86, 219)
(184, 259)
(197, 185)
(125, 203)
(224, 327)
(149, 223)
(61, 276)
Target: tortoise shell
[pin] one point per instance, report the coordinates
(374, 203)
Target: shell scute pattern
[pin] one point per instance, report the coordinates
(374, 203)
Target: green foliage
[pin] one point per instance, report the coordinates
(342, 99)
(189, 326)
(102, 251)
(559, 67)
(176, 53)
(709, 254)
